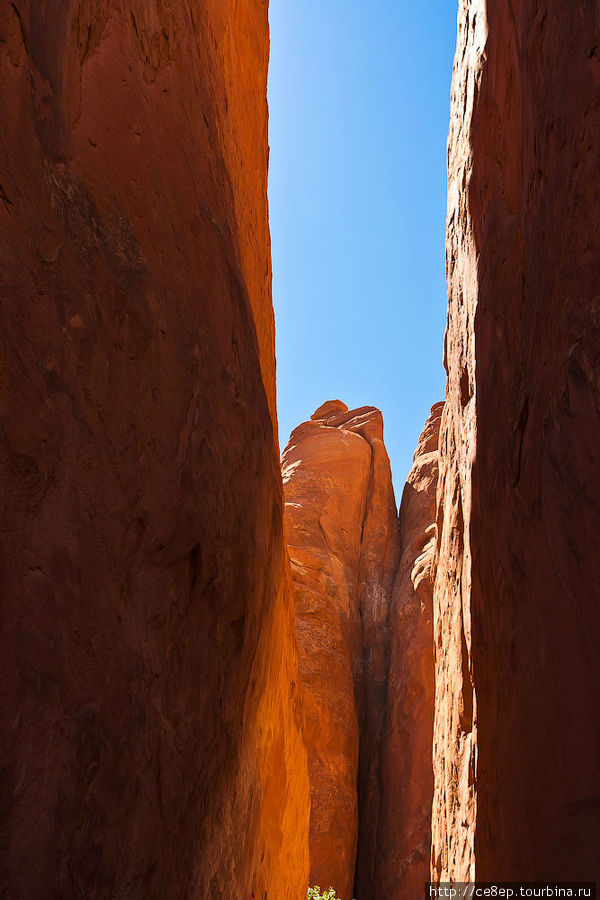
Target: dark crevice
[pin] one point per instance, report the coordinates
(21, 26)
(466, 713)
(522, 423)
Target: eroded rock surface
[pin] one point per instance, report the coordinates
(341, 532)
(404, 835)
(151, 742)
(517, 605)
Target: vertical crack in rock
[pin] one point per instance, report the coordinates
(380, 551)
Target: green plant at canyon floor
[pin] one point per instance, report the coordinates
(314, 893)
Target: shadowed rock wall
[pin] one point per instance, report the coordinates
(517, 605)
(151, 729)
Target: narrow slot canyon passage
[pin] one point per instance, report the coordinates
(230, 673)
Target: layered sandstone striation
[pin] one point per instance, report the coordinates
(341, 532)
(151, 725)
(517, 605)
(404, 834)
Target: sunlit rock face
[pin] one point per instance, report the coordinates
(404, 837)
(516, 601)
(150, 720)
(342, 537)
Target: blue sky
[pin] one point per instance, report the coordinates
(359, 98)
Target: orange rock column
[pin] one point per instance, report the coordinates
(341, 532)
(404, 835)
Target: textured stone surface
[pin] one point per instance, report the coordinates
(341, 531)
(517, 605)
(404, 848)
(151, 737)
(454, 738)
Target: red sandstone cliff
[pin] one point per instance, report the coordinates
(151, 726)
(150, 691)
(404, 834)
(517, 605)
(341, 531)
